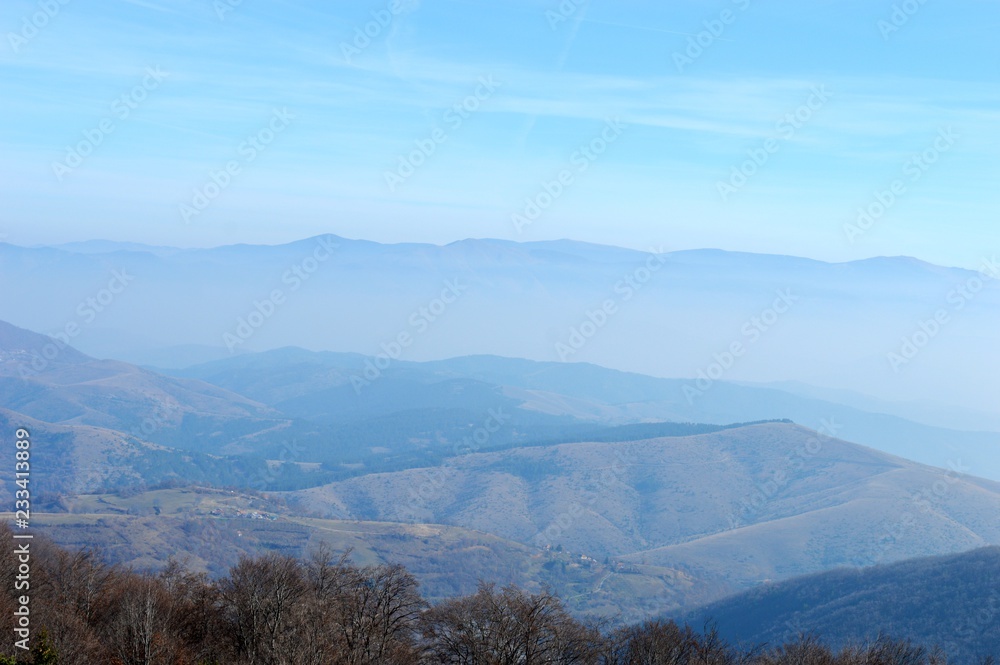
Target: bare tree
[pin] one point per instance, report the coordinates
(139, 622)
(375, 613)
(258, 599)
(651, 643)
(196, 619)
(507, 627)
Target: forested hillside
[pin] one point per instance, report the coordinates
(277, 610)
(951, 600)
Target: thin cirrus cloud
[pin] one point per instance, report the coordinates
(355, 119)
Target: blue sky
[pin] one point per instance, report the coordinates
(330, 122)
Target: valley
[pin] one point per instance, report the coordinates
(475, 468)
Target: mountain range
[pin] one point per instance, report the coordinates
(551, 457)
(869, 326)
(645, 432)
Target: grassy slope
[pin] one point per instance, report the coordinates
(210, 529)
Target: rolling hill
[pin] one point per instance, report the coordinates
(733, 508)
(551, 399)
(52, 382)
(952, 601)
(209, 529)
(532, 472)
(394, 424)
(67, 460)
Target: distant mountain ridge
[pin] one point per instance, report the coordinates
(68, 386)
(565, 245)
(524, 300)
(252, 403)
(317, 384)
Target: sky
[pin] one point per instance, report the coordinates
(736, 124)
